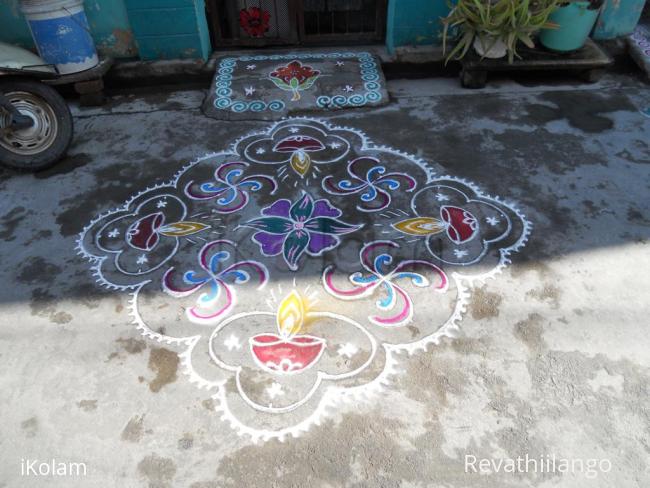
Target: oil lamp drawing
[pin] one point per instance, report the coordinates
(299, 147)
(289, 351)
(145, 233)
(459, 224)
(274, 372)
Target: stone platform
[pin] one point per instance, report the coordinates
(639, 45)
(589, 62)
(272, 86)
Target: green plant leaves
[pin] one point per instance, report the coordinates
(511, 21)
(308, 82)
(281, 84)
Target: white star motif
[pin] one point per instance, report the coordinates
(340, 63)
(249, 91)
(492, 221)
(251, 66)
(232, 342)
(293, 130)
(347, 350)
(161, 204)
(335, 145)
(260, 150)
(114, 233)
(441, 197)
(459, 253)
(142, 259)
(274, 390)
(348, 89)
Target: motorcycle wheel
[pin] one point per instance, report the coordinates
(43, 144)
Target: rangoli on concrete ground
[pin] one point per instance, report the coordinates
(289, 269)
(639, 42)
(271, 86)
(641, 37)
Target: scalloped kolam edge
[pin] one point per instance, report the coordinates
(334, 395)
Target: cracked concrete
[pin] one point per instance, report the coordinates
(552, 357)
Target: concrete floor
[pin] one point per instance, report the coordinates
(552, 358)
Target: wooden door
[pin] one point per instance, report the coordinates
(292, 22)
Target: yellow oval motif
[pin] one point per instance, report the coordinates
(181, 229)
(300, 162)
(420, 226)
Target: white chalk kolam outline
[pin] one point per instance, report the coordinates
(229, 288)
(334, 396)
(271, 136)
(245, 194)
(136, 212)
(486, 242)
(371, 184)
(97, 261)
(320, 375)
(384, 278)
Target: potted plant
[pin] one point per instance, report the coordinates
(495, 27)
(575, 20)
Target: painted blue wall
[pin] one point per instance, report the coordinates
(109, 26)
(111, 29)
(169, 29)
(152, 29)
(14, 27)
(414, 22)
(618, 18)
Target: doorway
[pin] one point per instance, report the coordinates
(293, 22)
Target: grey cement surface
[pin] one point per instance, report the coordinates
(552, 358)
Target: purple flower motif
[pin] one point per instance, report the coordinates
(304, 226)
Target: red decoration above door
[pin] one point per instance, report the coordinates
(254, 21)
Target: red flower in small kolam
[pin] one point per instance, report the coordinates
(294, 70)
(254, 21)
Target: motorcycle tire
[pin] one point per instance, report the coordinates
(47, 141)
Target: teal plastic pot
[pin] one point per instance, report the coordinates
(574, 22)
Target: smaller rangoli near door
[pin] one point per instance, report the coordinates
(271, 86)
(290, 269)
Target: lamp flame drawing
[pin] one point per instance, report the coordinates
(288, 352)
